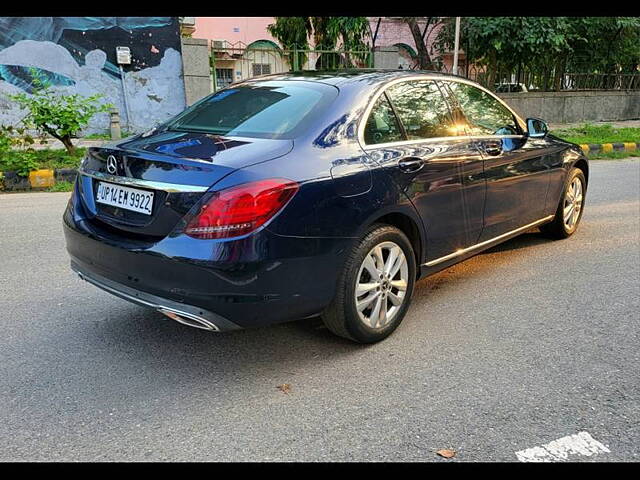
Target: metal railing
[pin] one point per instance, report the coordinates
(233, 62)
(549, 81)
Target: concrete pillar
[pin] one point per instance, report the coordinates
(114, 124)
(196, 69)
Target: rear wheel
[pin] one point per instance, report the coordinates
(375, 287)
(570, 208)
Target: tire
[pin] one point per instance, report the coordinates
(559, 228)
(363, 325)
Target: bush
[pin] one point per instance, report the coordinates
(61, 116)
(61, 186)
(16, 153)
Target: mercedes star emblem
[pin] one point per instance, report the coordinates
(112, 165)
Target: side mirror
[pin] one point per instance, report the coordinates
(537, 128)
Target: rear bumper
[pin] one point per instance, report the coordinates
(258, 280)
(186, 314)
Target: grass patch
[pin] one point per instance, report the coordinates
(63, 186)
(605, 133)
(613, 155)
(49, 158)
(59, 158)
(106, 136)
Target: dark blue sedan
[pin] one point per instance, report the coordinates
(296, 195)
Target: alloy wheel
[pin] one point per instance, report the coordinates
(381, 284)
(572, 203)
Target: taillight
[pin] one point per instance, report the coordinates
(240, 210)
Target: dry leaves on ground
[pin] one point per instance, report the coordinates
(284, 388)
(446, 453)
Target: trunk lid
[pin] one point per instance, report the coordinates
(176, 167)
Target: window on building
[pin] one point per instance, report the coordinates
(224, 77)
(261, 69)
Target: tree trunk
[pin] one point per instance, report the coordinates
(66, 141)
(491, 74)
(424, 60)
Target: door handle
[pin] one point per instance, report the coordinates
(410, 164)
(492, 148)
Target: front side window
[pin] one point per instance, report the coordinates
(422, 110)
(382, 125)
(269, 109)
(482, 113)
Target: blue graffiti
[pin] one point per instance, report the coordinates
(28, 78)
(52, 29)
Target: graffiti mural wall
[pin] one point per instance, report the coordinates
(78, 55)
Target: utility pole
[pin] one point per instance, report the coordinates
(123, 57)
(456, 47)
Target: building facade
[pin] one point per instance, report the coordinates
(242, 46)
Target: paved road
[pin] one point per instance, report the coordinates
(530, 342)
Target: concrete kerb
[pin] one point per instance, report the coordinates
(36, 180)
(609, 147)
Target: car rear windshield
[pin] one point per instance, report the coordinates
(269, 109)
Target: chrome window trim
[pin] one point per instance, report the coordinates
(427, 77)
(436, 140)
(462, 251)
(149, 184)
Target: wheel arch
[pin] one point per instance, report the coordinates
(407, 225)
(583, 165)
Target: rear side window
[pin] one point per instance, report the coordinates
(423, 110)
(482, 113)
(382, 125)
(269, 109)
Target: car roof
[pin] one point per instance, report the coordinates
(344, 77)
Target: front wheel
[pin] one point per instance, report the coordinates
(570, 209)
(375, 287)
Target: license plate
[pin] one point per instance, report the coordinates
(128, 198)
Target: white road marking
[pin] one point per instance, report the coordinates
(578, 444)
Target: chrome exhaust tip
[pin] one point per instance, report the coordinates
(189, 319)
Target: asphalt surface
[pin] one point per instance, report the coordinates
(529, 342)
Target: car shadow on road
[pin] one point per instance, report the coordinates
(297, 337)
(294, 340)
(143, 351)
(526, 240)
(485, 262)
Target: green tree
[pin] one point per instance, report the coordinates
(293, 33)
(421, 38)
(612, 44)
(61, 116)
(547, 47)
(328, 33)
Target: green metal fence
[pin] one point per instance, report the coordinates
(233, 62)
